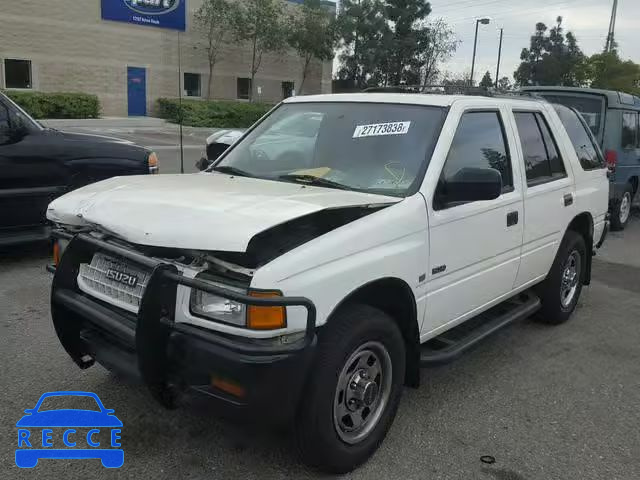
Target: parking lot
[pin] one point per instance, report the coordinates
(547, 403)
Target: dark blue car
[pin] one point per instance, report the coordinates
(614, 119)
(31, 448)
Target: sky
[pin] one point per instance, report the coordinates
(587, 19)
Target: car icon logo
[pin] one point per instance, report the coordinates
(69, 433)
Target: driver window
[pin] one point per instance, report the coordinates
(479, 142)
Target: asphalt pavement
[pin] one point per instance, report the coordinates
(545, 402)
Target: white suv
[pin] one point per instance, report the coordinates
(310, 284)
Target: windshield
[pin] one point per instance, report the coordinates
(21, 119)
(590, 107)
(370, 147)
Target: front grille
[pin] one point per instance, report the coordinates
(93, 280)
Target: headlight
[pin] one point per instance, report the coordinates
(217, 308)
(220, 309)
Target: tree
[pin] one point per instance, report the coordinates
(552, 59)
(213, 20)
(441, 45)
(361, 27)
(610, 72)
(407, 34)
(391, 42)
(312, 35)
(259, 23)
(504, 84)
(487, 81)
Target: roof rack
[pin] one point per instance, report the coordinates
(453, 90)
(433, 89)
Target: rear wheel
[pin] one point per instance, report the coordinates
(621, 211)
(352, 399)
(561, 289)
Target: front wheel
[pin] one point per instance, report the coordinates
(561, 289)
(353, 394)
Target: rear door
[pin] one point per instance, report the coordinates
(29, 179)
(474, 248)
(549, 192)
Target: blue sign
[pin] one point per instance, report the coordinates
(78, 430)
(153, 13)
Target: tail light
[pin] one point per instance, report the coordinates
(153, 163)
(611, 159)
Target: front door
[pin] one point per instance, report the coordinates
(474, 247)
(137, 91)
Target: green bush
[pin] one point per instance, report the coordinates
(214, 114)
(57, 105)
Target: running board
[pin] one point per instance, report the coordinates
(453, 343)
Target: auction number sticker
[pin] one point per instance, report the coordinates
(378, 129)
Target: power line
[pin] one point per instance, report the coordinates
(508, 12)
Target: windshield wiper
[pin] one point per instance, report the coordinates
(231, 171)
(313, 180)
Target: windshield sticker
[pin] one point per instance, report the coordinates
(379, 129)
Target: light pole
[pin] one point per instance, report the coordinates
(499, 55)
(484, 21)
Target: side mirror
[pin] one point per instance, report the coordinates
(470, 185)
(29, 410)
(203, 164)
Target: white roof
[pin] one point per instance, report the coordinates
(407, 98)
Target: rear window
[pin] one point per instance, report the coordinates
(589, 107)
(583, 143)
(542, 161)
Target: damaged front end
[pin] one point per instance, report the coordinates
(145, 341)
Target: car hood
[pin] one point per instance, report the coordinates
(69, 418)
(205, 211)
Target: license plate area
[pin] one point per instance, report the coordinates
(114, 280)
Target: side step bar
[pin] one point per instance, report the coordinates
(453, 343)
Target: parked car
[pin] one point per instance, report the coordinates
(38, 164)
(411, 228)
(614, 119)
(297, 133)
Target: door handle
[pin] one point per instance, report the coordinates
(568, 199)
(512, 219)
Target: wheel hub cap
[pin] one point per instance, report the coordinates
(570, 279)
(362, 392)
(625, 208)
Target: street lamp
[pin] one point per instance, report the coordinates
(484, 21)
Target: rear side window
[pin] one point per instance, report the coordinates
(583, 143)
(629, 130)
(479, 142)
(541, 158)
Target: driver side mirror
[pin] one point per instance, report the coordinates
(469, 185)
(203, 164)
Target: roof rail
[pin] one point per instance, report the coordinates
(433, 89)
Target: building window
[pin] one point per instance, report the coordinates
(192, 84)
(244, 88)
(17, 73)
(287, 89)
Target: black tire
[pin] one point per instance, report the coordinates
(618, 223)
(318, 441)
(557, 308)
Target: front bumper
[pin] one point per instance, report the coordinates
(263, 380)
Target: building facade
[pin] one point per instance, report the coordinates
(67, 46)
